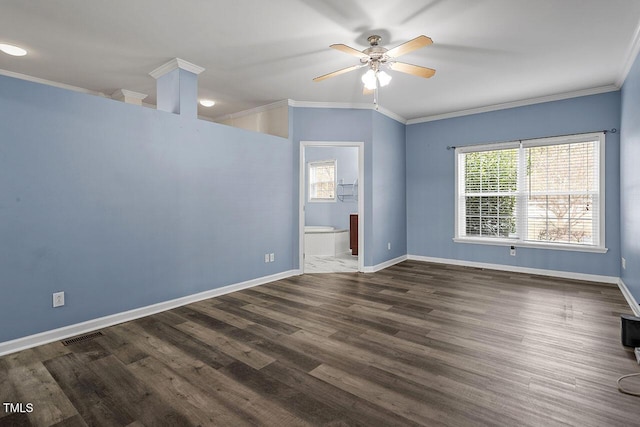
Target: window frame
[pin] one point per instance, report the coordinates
(315, 163)
(521, 218)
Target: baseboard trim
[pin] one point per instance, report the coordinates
(516, 269)
(629, 297)
(384, 265)
(46, 337)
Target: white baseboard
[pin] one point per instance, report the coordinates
(58, 334)
(633, 304)
(629, 297)
(516, 269)
(385, 264)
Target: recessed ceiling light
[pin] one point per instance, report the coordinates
(10, 49)
(207, 102)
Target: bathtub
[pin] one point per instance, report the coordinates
(325, 240)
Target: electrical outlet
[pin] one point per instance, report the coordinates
(272, 257)
(389, 246)
(58, 299)
(624, 264)
(512, 251)
(266, 257)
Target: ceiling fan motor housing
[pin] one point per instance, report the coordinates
(376, 54)
(374, 40)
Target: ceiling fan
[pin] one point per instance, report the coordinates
(377, 58)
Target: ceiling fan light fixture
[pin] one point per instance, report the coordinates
(383, 78)
(10, 49)
(369, 80)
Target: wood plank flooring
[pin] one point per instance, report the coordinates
(415, 344)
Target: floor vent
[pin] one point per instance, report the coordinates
(81, 338)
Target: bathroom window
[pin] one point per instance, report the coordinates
(322, 181)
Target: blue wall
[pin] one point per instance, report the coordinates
(332, 213)
(334, 124)
(389, 204)
(630, 180)
(430, 180)
(122, 206)
(384, 147)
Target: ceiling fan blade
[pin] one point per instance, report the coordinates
(411, 45)
(413, 69)
(337, 73)
(351, 51)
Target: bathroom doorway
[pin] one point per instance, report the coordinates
(331, 206)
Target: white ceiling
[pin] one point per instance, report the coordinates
(256, 52)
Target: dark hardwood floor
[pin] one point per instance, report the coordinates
(415, 344)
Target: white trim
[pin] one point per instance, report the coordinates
(46, 337)
(523, 244)
(491, 146)
(125, 93)
(256, 110)
(515, 104)
(522, 224)
(503, 106)
(516, 269)
(632, 53)
(385, 264)
(50, 83)
(602, 187)
(174, 64)
(302, 195)
(629, 297)
(344, 105)
(315, 163)
(349, 105)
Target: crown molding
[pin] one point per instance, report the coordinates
(390, 114)
(349, 105)
(255, 110)
(632, 54)
(124, 93)
(50, 83)
(174, 64)
(515, 104)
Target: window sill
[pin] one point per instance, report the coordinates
(322, 201)
(521, 244)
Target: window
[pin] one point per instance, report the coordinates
(545, 192)
(322, 181)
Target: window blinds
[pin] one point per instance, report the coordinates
(539, 191)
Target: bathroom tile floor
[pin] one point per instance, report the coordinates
(330, 264)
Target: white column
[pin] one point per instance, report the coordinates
(177, 87)
(129, 96)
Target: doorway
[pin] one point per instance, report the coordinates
(327, 234)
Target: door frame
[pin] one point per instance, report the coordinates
(303, 201)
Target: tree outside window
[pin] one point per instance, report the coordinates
(322, 180)
(544, 191)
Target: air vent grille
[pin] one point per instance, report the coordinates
(81, 338)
